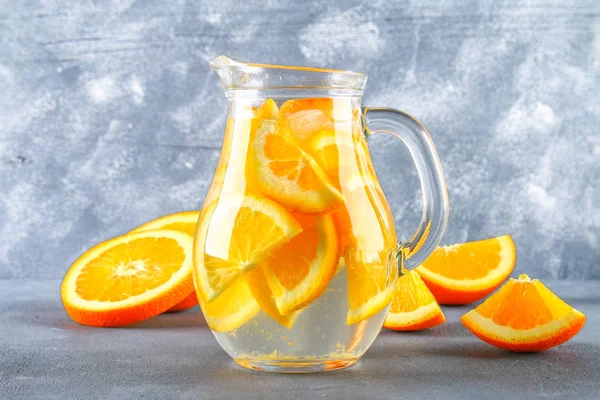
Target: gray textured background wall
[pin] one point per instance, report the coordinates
(110, 116)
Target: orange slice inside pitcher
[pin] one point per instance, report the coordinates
(284, 172)
(525, 316)
(234, 235)
(300, 270)
(231, 309)
(259, 287)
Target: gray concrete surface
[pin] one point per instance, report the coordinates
(110, 116)
(44, 355)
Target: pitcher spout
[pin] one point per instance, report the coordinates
(236, 75)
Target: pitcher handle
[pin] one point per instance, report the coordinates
(433, 185)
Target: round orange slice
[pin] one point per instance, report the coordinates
(525, 316)
(129, 278)
(413, 306)
(183, 222)
(300, 270)
(467, 272)
(284, 172)
(234, 235)
(186, 303)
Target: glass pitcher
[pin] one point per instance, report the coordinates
(295, 252)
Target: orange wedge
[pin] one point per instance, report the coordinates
(300, 270)
(413, 306)
(259, 287)
(467, 272)
(334, 152)
(368, 241)
(525, 316)
(234, 235)
(129, 278)
(183, 222)
(282, 171)
(231, 309)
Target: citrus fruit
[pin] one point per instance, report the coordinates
(524, 315)
(183, 222)
(129, 278)
(466, 272)
(282, 171)
(257, 281)
(333, 151)
(231, 309)
(368, 243)
(235, 234)
(300, 270)
(370, 284)
(190, 301)
(413, 306)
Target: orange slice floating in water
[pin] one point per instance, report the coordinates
(129, 278)
(234, 235)
(525, 316)
(282, 171)
(300, 270)
(413, 306)
(257, 281)
(466, 272)
(231, 309)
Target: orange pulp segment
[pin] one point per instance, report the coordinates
(231, 309)
(183, 222)
(413, 306)
(257, 282)
(282, 171)
(466, 272)
(525, 316)
(235, 234)
(129, 278)
(300, 270)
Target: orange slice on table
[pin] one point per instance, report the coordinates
(413, 306)
(525, 316)
(183, 222)
(190, 301)
(300, 270)
(234, 235)
(129, 278)
(282, 171)
(467, 272)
